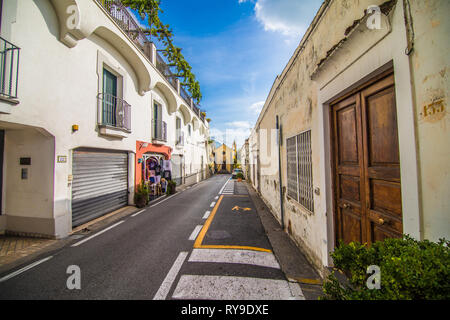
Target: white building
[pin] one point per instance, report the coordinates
(363, 112)
(80, 111)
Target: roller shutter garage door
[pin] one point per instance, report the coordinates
(100, 184)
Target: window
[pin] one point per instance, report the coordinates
(157, 114)
(158, 125)
(189, 129)
(178, 132)
(109, 98)
(299, 169)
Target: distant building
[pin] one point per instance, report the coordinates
(223, 159)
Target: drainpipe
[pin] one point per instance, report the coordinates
(279, 171)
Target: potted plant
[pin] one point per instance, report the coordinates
(171, 187)
(141, 195)
(240, 176)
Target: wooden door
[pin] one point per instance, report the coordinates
(368, 204)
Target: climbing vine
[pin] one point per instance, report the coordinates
(150, 9)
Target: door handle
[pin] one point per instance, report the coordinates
(382, 221)
(346, 206)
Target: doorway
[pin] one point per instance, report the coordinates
(366, 163)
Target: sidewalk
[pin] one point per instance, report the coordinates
(13, 248)
(292, 261)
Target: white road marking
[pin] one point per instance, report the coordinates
(257, 258)
(233, 288)
(217, 197)
(137, 213)
(163, 200)
(97, 234)
(170, 277)
(296, 291)
(206, 215)
(223, 187)
(212, 204)
(194, 233)
(15, 273)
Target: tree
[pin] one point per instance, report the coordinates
(150, 10)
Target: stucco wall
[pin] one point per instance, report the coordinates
(296, 101)
(58, 88)
(430, 63)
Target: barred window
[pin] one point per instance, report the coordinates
(299, 169)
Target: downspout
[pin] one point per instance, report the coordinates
(279, 171)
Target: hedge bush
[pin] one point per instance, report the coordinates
(409, 269)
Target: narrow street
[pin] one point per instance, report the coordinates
(206, 242)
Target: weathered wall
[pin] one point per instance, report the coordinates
(430, 61)
(296, 101)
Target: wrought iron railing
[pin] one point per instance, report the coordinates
(113, 111)
(9, 69)
(162, 66)
(159, 130)
(125, 20)
(185, 96)
(128, 24)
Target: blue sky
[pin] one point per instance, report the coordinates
(236, 49)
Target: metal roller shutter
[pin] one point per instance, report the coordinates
(100, 184)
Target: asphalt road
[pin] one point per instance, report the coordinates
(203, 243)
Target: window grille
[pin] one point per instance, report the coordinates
(299, 169)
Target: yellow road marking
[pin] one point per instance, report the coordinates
(243, 209)
(308, 281)
(198, 242)
(233, 247)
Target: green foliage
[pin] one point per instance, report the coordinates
(239, 175)
(141, 195)
(409, 269)
(171, 187)
(151, 9)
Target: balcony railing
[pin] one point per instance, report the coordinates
(162, 66)
(125, 20)
(159, 130)
(185, 96)
(128, 24)
(9, 69)
(113, 112)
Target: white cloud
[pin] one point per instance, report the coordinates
(237, 131)
(257, 107)
(240, 124)
(290, 17)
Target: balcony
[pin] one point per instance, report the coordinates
(114, 115)
(126, 21)
(9, 71)
(159, 132)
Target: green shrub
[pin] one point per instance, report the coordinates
(141, 195)
(239, 175)
(409, 269)
(171, 187)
